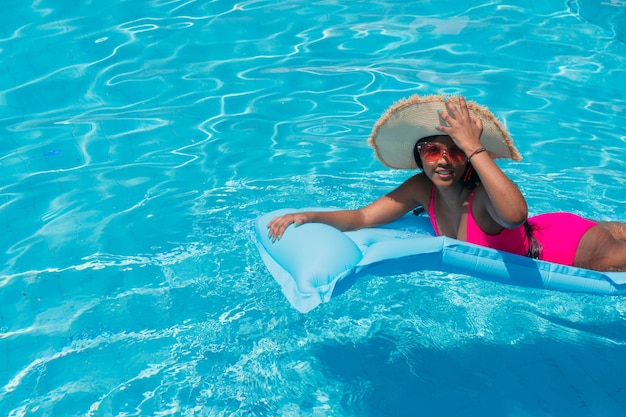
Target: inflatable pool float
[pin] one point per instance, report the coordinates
(310, 260)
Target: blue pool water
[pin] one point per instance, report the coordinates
(140, 140)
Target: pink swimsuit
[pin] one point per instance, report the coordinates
(557, 234)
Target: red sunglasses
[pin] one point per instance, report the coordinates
(433, 151)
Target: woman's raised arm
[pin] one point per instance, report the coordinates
(505, 203)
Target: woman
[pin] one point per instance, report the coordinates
(467, 195)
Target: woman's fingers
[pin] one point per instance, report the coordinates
(278, 225)
(464, 129)
(456, 111)
(478, 122)
(463, 107)
(451, 116)
(451, 109)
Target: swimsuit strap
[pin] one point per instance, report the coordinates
(469, 205)
(431, 211)
(471, 228)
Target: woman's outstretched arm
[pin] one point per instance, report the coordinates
(384, 210)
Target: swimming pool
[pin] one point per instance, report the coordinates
(140, 140)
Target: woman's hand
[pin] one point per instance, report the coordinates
(464, 130)
(278, 225)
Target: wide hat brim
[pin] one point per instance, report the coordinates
(407, 121)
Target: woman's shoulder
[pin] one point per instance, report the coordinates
(420, 179)
(417, 182)
(417, 188)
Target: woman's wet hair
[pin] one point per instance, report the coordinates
(470, 177)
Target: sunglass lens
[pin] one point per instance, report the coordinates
(431, 152)
(434, 151)
(456, 153)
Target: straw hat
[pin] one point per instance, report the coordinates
(407, 121)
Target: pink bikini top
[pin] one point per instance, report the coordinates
(508, 240)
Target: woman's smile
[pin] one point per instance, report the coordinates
(444, 174)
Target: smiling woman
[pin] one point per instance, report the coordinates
(140, 140)
(467, 195)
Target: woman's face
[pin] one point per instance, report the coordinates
(443, 162)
